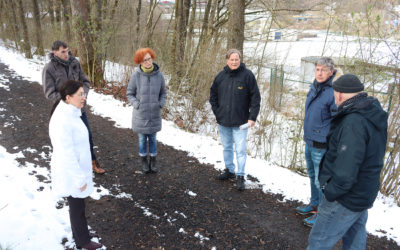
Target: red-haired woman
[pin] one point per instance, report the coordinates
(146, 92)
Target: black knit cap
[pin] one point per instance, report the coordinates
(348, 83)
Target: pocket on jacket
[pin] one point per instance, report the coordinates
(137, 105)
(240, 89)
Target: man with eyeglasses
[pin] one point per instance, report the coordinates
(61, 68)
(320, 108)
(235, 101)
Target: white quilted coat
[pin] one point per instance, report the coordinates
(71, 163)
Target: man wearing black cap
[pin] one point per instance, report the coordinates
(350, 169)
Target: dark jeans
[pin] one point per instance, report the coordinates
(152, 138)
(85, 120)
(77, 216)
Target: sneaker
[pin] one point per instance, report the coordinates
(226, 175)
(310, 221)
(309, 209)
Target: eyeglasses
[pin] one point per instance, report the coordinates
(148, 59)
(323, 70)
(82, 94)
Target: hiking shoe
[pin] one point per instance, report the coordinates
(226, 175)
(96, 167)
(310, 221)
(240, 183)
(306, 209)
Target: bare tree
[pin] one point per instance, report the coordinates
(38, 28)
(57, 11)
(236, 24)
(138, 12)
(87, 41)
(50, 10)
(12, 21)
(191, 23)
(66, 5)
(26, 45)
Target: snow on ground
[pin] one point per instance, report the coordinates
(33, 208)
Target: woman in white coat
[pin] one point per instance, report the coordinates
(71, 164)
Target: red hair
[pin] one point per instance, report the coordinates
(140, 53)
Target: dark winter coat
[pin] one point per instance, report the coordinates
(319, 110)
(146, 93)
(234, 97)
(57, 71)
(350, 169)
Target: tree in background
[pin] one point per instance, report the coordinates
(26, 45)
(87, 41)
(38, 28)
(236, 25)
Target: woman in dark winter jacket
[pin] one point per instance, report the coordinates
(146, 92)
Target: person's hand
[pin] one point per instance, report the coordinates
(251, 123)
(83, 188)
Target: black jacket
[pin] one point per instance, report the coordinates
(350, 169)
(234, 97)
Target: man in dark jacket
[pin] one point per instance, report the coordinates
(350, 170)
(235, 101)
(61, 68)
(319, 110)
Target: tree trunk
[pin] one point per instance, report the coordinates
(190, 31)
(236, 25)
(183, 23)
(26, 46)
(181, 15)
(50, 10)
(86, 39)
(204, 31)
(57, 10)
(149, 23)
(38, 28)
(138, 12)
(66, 5)
(99, 46)
(13, 21)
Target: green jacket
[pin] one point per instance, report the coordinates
(350, 169)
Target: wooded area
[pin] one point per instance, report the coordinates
(191, 37)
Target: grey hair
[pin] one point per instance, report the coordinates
(233, 51)
(326, 61)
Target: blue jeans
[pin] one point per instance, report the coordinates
(334, 222)
(230, 135)
(143, 144)
(86, 122)
(313, 158)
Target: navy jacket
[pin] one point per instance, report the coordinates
(234, 97)
(350, 170)
(319, 110)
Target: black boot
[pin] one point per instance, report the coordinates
(145, 165)
(240, 183)
(226, 175)
(153, 164)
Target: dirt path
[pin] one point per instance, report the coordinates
(161, 213)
